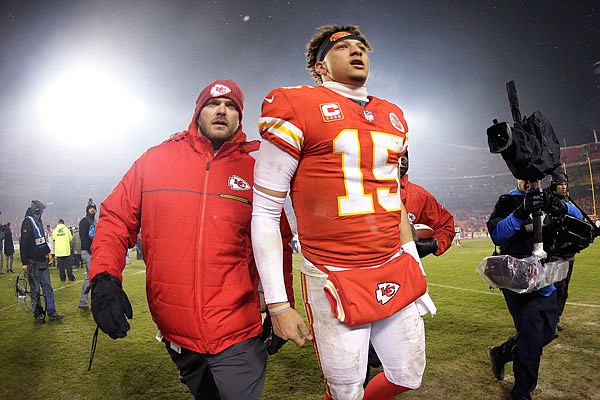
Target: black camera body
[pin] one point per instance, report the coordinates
(564, 236)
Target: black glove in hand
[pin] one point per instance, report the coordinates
(426, 246)
(553, 205)
(273, 342)
(110, 305)
(532, 202)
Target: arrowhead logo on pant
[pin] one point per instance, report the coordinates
(386, 291)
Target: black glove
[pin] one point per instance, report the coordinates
(532, 202)
(554, 205)
(426, 246)
(110, 305)
(273, 342)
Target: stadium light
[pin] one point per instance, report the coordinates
(87, 103)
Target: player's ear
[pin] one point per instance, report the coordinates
(321, 68)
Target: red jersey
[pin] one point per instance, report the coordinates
(345, 190)
(423, 208)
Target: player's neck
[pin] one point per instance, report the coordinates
(349, 91)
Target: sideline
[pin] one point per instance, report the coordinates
(497, 293)
(73, 283)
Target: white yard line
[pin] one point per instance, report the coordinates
(575, 349)
(498, 293)
(56, 289)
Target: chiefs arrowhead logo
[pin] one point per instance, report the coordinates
(396, 123)
(386, 291)
(237, 183)
(219, 90)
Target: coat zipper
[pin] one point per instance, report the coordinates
(200, 272)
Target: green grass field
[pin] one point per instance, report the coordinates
(50, 361)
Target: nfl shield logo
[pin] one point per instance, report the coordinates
(369, 115)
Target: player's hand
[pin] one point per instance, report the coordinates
(24, 267)
(289, 325)
(426, 246)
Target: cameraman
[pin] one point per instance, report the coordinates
(535, 314)
(559, 186)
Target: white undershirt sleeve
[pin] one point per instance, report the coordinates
(273, 170)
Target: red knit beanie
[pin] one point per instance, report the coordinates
(222, 88)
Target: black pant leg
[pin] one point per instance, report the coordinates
(239, 371)
(60, 263)
(562, 289)
(194, 371)
(535, 319)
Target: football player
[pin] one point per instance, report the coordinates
(423, 208)
(336, 149)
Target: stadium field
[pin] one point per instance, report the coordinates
(50, 361)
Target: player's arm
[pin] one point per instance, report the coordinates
(288, 270)
(406, 234)
(442, 222)
(407, 239)
(273, 172)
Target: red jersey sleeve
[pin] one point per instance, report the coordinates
(425, 209)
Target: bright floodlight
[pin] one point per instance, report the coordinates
(88, 104)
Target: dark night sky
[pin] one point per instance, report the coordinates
(444, 62)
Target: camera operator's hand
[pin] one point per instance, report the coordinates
(426, 246)
(553, 204)
(110, 305)
(532, 202)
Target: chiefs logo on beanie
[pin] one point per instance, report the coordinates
(222, 88)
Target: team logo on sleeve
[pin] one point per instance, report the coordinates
(412, 217)
(396, 123)
(237, 183)
(331, 112)
(386, 291)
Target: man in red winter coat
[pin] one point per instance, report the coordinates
(191, 197)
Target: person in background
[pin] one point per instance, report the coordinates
(34, 259)
(191, 198)
(76, 247)
(61, 239)
(51, 257)
(559, 186)
(9, 248)
(86, 225)
(423, 208)
(336, 149)
(458, 233)
(1, 249)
